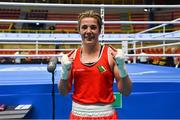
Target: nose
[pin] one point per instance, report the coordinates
(88, 30)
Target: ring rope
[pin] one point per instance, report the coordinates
(64, 40)
(162, 25)
(105, 22)
(59, 55)
(35, 49)
(53, 43)
(164, 34)
(155, 46)
(86, 5)
(116, 40)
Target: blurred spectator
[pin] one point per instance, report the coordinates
(17, 59)
(130, 59)
(177, 62)
(143, 59)
(2, 60)
(176, 59)
(170, 59)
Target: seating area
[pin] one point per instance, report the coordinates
(176, 15)
(168, 15)
(10, 13)
(64, 28)
(4, 26)
(62, 16)
(25, 60)
(45, 14)
(159, 60)
(155, 60)
(114, 28)
(6, 13)
(112, 17)
(141, 16)
(37, 14)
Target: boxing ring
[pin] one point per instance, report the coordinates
(155, 95)
(156, 89)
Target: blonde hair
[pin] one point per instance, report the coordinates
(90, 13)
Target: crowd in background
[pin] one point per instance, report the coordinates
(171, 61)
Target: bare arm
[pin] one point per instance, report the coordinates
(63, 86)
(66, 78)
(124, 83)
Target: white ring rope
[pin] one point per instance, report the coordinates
(86, 5)
(30, 43)
(164, 34)
(162, 25)
(40, 49)
(78, 40)
(37, 21)
(36, 49)
(59, 55)
(156, 46)
(105, 22)
(151, 55)
(142, 22)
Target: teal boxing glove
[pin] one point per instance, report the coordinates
(66, 65)
(120, 61)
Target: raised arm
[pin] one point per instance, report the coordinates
(123, 81)
(66, 78)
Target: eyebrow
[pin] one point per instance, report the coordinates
(89, 25)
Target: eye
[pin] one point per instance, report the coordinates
(93, 27)
(84, 27)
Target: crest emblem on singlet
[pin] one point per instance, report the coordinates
(101, 68)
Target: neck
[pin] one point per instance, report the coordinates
(90, 54)
(89, 49)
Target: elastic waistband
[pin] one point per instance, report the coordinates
(93, 110)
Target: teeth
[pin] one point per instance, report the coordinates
(89, 38)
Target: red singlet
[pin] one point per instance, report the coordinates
(93, 84)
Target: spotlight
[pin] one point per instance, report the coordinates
(146, 10)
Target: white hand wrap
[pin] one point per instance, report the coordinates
(119, 58)
(66, 65)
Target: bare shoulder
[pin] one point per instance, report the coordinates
(111, 53)
(72, 54)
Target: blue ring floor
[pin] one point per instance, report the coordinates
(20, 74)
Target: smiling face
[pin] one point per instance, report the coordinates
(89, 30)
(89, 26)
